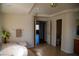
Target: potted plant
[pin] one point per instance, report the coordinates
(4, 35)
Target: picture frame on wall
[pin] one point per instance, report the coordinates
(18, 32)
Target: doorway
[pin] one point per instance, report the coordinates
(58, 33)
(40, 33)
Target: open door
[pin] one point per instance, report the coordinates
(47, 31)
(40, 29)
(58, 32)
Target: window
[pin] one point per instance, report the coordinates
(37, 26)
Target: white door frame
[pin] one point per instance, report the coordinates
(49, 34)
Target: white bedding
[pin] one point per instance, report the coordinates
(12, 49)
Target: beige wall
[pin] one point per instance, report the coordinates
(1, 18)
(68, 31)
(0, 24)
(77, 18)
(11, 22)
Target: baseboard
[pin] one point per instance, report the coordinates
(69, 52)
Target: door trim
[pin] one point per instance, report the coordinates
(34, 30)
(50, 32)
(35, 18)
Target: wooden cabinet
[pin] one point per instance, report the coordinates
(76, 46)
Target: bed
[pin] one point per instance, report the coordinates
(14, 49)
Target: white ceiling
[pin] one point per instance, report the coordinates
(16, 7)
(40, 8)
(45, 8)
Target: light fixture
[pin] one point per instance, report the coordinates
(53, 4)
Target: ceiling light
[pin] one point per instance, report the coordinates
(53, 4)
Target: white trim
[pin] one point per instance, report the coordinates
(67, 51)
(34, 4)
(47, 15)
(64, 11)
(43, 15)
